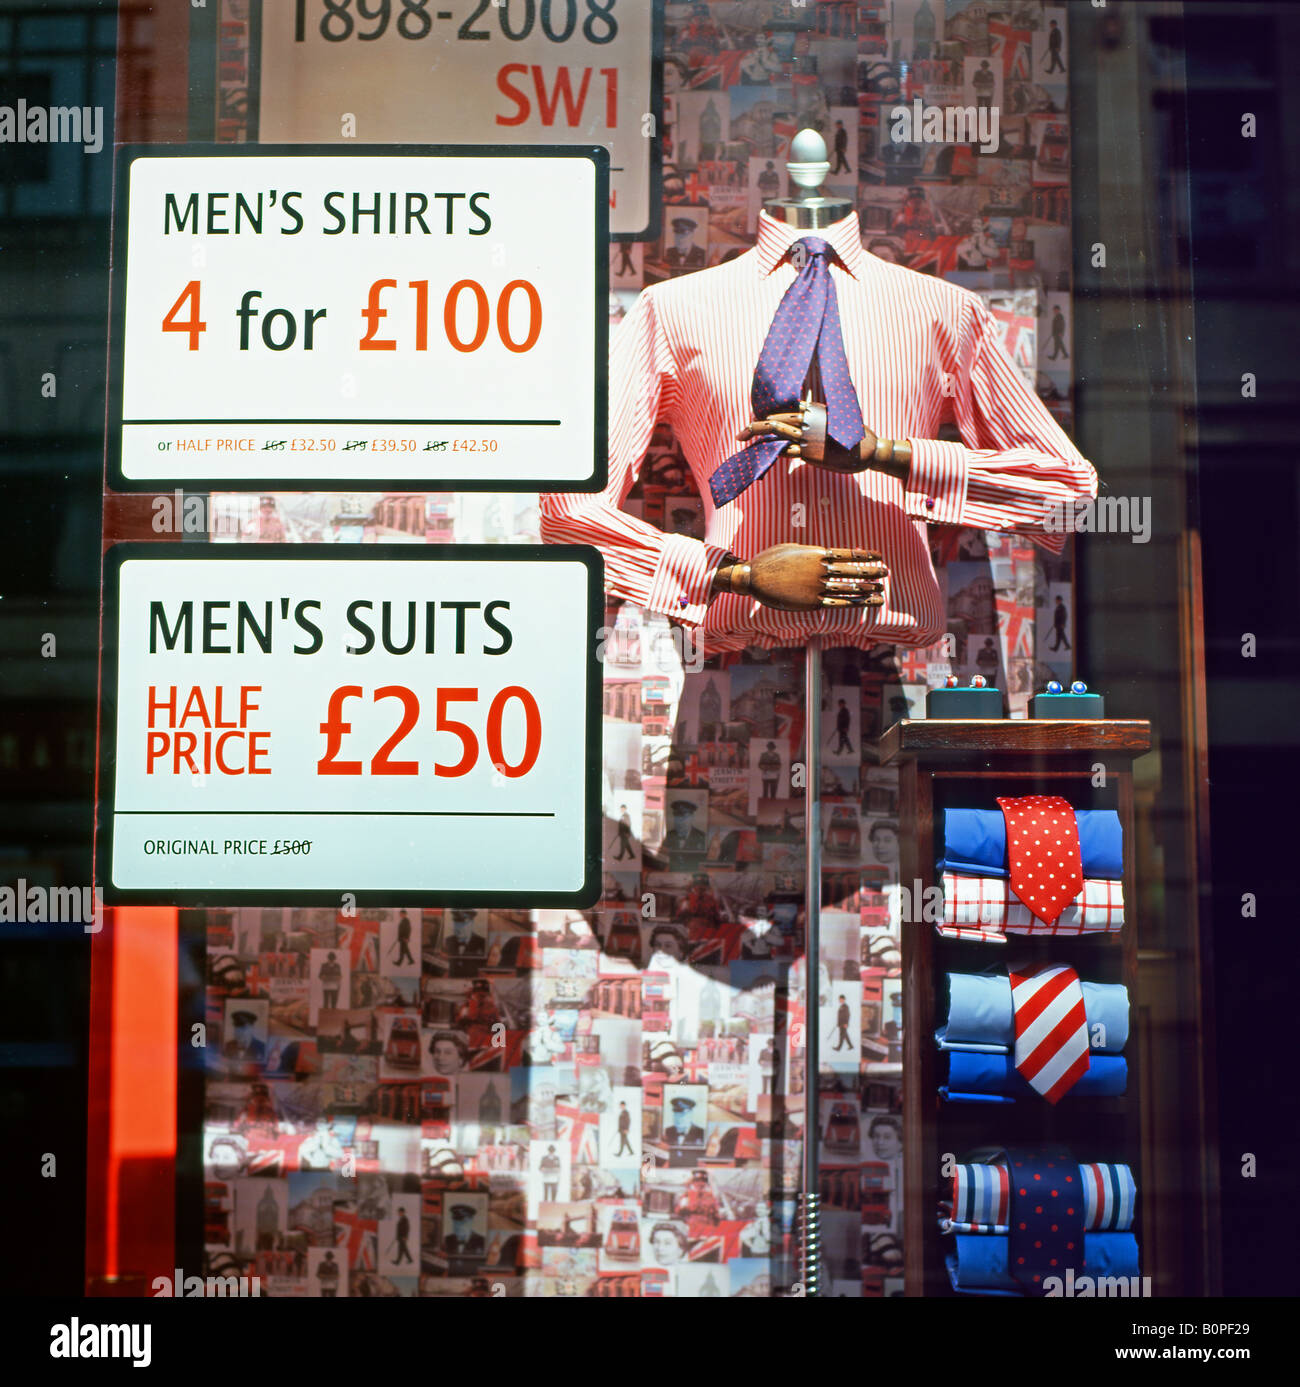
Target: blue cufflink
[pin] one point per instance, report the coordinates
(1054, 686)
(1078, 687)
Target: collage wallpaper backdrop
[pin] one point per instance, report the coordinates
(609, 1103)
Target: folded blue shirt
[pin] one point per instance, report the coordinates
(975, 841)
(980, 1264)
(977, 1076)
(980, 1014)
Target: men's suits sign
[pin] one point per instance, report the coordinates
(387, 723)
(345, 319)
(473, 72)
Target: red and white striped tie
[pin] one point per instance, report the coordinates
(1051, 1028)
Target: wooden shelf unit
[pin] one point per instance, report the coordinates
(966, 763)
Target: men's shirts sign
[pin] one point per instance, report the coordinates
(526, 72)
(380, 725)
(359, 319)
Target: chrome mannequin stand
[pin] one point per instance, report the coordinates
(810, 1210)
(808, 167)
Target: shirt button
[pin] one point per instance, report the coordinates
(823, 500)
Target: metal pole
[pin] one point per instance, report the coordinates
(811, 1240)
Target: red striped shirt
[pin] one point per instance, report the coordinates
(920, 351)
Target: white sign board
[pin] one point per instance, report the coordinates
(472, 72)
(359, 320)
(393, 724)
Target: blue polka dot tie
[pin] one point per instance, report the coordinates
(807, 320)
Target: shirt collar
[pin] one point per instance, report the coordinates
(775, 239)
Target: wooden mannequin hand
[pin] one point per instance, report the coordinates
(806, 577)
(805, 428)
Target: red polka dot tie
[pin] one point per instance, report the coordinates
(1046, 866)
(807, 320)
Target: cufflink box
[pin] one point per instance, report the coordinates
(964, 703)
(1067, 705)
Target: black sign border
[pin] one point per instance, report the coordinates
(126, 154)
(215, 897)
(652, 230)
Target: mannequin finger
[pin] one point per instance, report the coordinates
(856, 570)
(853, 601)
(849, 581)
(851, 556)
(852, 594)
(764, 428)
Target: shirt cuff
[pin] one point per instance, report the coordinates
(683, 579)
(936, 483)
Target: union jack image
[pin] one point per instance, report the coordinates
(360, 1236)
(580, 1130)
(1014, 47)
(789, 724)
(938, 256)
(722, 1244)
(722, 946)
(361, 939)
(1019, 336)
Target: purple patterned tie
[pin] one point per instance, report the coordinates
(807, 320)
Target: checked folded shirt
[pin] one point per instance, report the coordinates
(986, 910)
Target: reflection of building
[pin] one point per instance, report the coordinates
(622, 699)
(619, 996)
(710, 1004)
(755, 126)
(710, 131)
(710, 706)
(757, 1003)
(970, 28)
(1052, 204)
(756, 706)
(489, 1106)
(440, 518)
(836, 19)
(618, 1285)
(841, 1187)
(399, 1102)
(973, 604)
(403, 512)
(923, 31)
